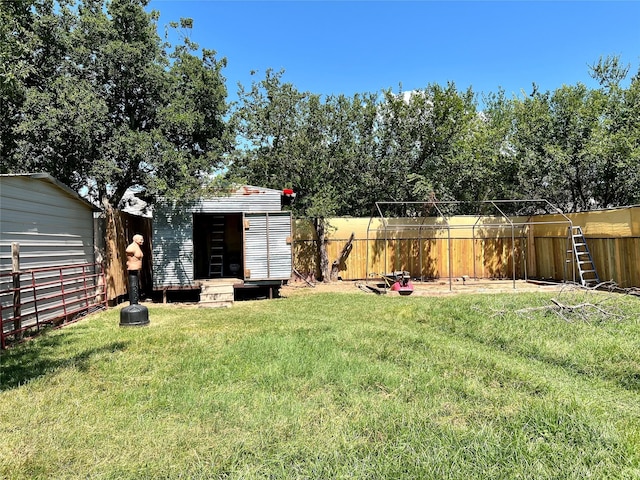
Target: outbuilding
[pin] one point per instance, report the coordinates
(243, 236)
(52, 224)
(47, 252)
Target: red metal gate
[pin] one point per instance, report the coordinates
(31, 299)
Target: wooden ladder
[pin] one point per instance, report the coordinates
(578, 251)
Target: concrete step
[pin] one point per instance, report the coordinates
(207, 289)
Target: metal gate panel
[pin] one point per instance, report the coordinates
(256, 256)
(267, 247)
(279, 245)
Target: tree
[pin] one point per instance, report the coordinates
(552, 130)
(424, 139)
(577, 147)
(316, 146)
(33, 42)
(106, 105)
(494, 158)
(336, 178)
(616, 143)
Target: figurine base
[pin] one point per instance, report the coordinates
(134, 316)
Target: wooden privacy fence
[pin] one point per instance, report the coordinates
(427, 258)
(613, 237)
(530, 251)
(118, 228)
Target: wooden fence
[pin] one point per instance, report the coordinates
(428, 258)
(117, 229)
(535, 249)
(613, 237)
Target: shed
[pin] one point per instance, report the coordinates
(53, 230)
(52, 224)
(243, 234)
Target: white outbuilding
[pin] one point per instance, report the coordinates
(47, 235)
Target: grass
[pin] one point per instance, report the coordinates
(329, 386)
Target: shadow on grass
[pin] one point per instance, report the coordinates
(47, 355)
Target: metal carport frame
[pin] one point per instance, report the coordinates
(429, 205)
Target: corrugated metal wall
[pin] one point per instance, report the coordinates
(172, 246)
(267, 246)
(52, 227)
(256, 260)
(279, 244)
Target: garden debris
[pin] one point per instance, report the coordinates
(595, 303)
(302, 277)
(370, 289)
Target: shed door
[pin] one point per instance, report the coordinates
(267, 246)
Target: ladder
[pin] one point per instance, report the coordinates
(578, 251)
(216, 256)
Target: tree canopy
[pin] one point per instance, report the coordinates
(91, 93)
(575, 146)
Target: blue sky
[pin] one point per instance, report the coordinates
(333, 47)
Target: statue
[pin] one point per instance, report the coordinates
(134, 314)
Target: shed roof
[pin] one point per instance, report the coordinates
(46, 177)
(253, 190)
(133, 204)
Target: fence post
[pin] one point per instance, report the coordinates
(15, 274)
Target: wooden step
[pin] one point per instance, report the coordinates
(220, 304)
(217, 293)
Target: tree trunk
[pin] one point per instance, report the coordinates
(320, 225)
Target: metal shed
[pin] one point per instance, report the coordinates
(47, 250)
(51, 222)
(242, 235)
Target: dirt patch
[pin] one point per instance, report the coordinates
(440, 287)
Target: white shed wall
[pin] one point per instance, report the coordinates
(52, 227)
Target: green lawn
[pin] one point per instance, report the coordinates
(329, 386)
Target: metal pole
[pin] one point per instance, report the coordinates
(449, 255)
(420, 253)
(526, 250)
(17, 301)
(366, 267)
(473, 240)
(513, 255)
(385, 251)
(513, 245)
(64, 302)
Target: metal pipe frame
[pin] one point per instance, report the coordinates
(436, 204)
